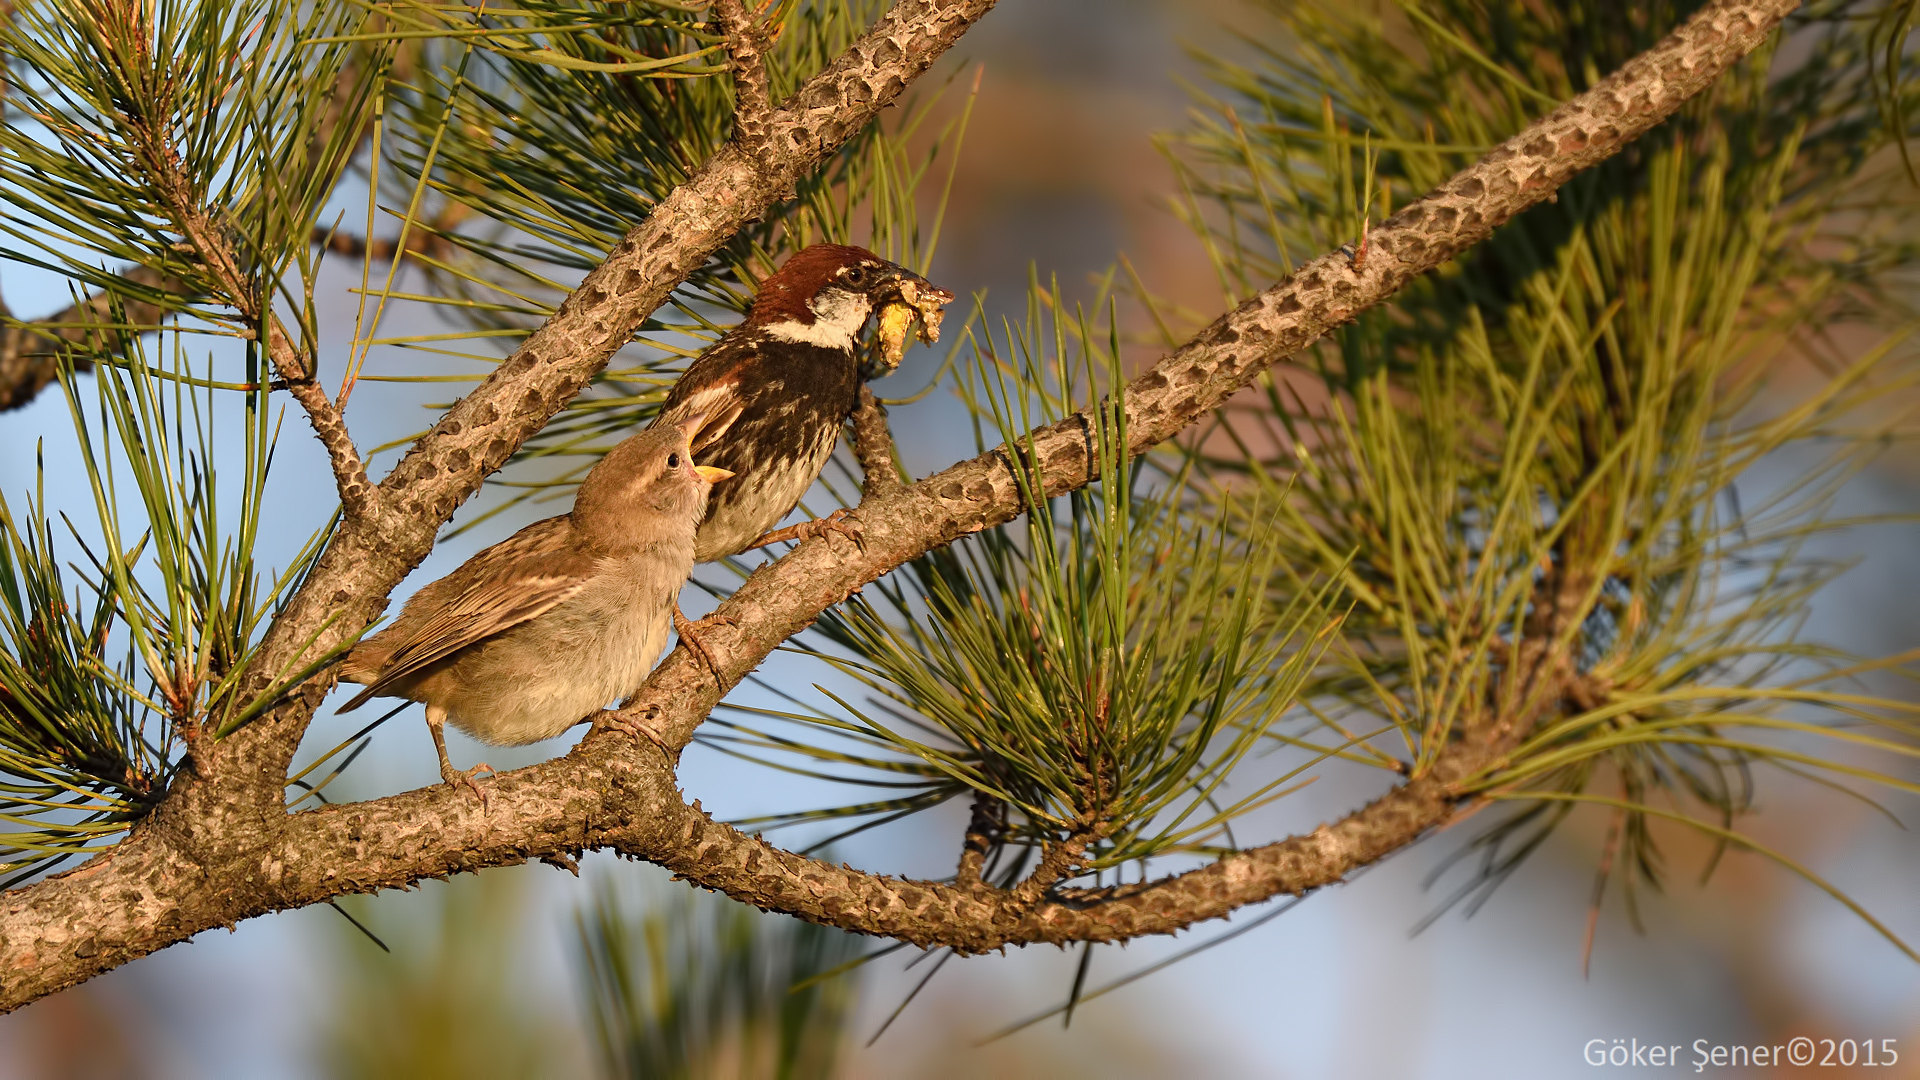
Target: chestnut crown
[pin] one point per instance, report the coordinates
(827, 281)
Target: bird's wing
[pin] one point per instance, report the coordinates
(520, 578)
(710, 387)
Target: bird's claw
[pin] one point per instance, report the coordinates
(837, 522)
(689, 632)
(456, 777)
(611, 720)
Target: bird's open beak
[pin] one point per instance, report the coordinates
(693, 425)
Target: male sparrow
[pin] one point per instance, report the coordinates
(790, 376)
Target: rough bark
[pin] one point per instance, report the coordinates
(211, 842)
(873, 447)
(746, 56)
(220, 849)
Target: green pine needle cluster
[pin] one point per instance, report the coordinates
(1094, 672)
(1573, 413)
(174, 158)
(91, 730)
(138, 133)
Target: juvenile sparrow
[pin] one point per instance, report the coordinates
(543, 629)
(791, 374)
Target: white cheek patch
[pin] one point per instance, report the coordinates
(838, 316)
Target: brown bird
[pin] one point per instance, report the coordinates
(543, 629)
(791, 373)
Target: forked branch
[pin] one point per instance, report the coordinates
(211, 857)
(199, 853)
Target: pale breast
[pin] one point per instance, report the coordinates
(761, 498)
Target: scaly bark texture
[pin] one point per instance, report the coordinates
(220, 849)
(209, 849)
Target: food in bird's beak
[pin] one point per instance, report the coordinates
(917, 305)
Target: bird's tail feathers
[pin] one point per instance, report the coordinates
(358, 699)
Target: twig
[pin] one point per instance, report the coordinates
(217, 256)
(984, 829)
(380, 248)
(873, 448)
(30, 351)
(1058, 862)
(746, 56)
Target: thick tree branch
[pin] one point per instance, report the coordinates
(201, 862)
(605, 794)
(209, 850)
(785, 597)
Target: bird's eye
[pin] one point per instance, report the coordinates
(855, 275)
(673, 461)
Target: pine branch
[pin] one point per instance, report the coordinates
(873, 448)
(30, 352)
(1060, 861)
(985, 825)
(217, 851)
(220, 259)
(746, 54)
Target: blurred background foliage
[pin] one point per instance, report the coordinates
(434, 999)
(1548, 443)
(676, 985)
(688, 984)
